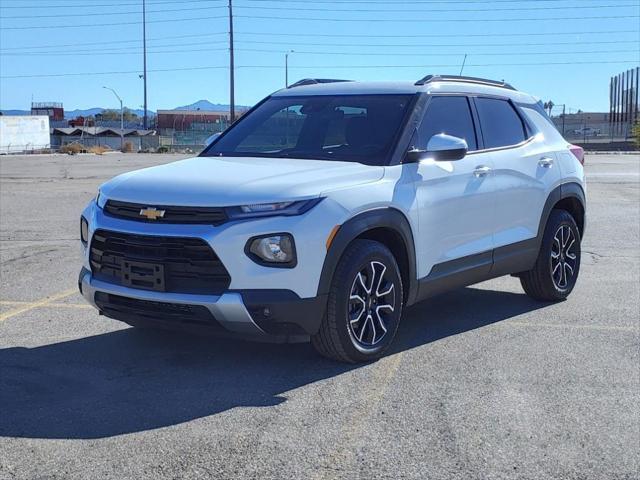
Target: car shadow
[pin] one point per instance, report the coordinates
(133, 380)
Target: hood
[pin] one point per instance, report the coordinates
(229, 181)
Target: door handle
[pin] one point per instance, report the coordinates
(481, 171)
(545, 162)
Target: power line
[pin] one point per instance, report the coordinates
(318, 67)
(431, 45)
(438, 20)
(101, 14)
(305, 9)
(420, 2)
(279, 51)
(439, 35)
(84, 5)
(131, 50)
(337, 35)
(137, 40)
(431, 10)
(169, 20)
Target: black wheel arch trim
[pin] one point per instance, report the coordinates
(384, 217)
(561, 192)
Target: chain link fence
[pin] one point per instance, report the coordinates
(593, 130)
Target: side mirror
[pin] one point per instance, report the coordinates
(210, 139)
(442, 147)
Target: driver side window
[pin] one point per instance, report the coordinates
(450, 115)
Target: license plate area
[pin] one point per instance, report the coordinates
(148, 276)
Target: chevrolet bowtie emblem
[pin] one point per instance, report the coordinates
(152, 213)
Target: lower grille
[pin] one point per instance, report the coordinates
(171, 264)
(133, 310)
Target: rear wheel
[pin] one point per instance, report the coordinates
(364, 305)
(556, 270)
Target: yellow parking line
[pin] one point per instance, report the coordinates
(344, 451)
(40, 303)
(48, 305)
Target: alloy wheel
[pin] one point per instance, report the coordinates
(371, 304)
(564, 258)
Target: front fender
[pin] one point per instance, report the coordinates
(385, 217)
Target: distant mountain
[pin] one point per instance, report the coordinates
(203, 105)
(71, 114)
(16, 112)
(207, 106)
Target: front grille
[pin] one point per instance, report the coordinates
(184, 215)
(186, 265)
(133, 310)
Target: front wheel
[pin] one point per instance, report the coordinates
(556, 270)
(364, 305)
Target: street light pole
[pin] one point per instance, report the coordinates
(286, 68)
(121, 118)
(232, 101)
(144, 59)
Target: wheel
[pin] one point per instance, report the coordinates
(556, 270)
(364, 305)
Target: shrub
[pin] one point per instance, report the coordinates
(72, 148)
(99, 149)
(127, 148)
(636, 134)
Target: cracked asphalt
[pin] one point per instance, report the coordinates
(481, 383)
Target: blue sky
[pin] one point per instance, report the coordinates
(564, 50)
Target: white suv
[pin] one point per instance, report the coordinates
(332, 205)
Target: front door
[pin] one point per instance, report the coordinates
(454, 198)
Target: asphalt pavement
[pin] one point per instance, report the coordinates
(481, 383)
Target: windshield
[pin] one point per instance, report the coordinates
(352, 128)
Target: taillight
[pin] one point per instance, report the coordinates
(578, 152)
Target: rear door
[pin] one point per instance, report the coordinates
(525, 169)
(454, 197)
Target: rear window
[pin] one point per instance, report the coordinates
(501, 125)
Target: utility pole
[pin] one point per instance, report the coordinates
(121, 118)
(144, 59)
(286, 68)
(232, 101)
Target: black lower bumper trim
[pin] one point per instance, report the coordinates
(134, 312)
(282, 312)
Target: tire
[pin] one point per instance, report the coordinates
(556, 270)
(364, 305)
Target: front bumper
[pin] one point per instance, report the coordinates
(264, 315)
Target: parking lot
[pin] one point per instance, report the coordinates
(481, 383)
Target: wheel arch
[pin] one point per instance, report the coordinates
(386, 225)
(569, 197)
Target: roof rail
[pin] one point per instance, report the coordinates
(458, 78)
(313, 81)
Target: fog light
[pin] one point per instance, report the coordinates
(275, 250)
(84, 230)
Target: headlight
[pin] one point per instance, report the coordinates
(276, 250)
(287, 209)
(101, 199)
(84, 230)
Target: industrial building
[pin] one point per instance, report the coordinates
(23, 133)
(53, 110)
(104, 137)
